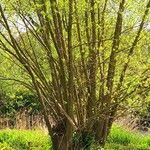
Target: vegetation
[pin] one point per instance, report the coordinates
(21, 101)
(125, 139)
(86, 60)
(119, 139)
(23, 139)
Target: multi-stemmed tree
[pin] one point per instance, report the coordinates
(80, 57)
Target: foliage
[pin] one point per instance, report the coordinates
(143, 116)
(83, 140)
(20, 101)
(84, 59)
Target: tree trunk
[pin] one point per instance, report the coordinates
(60, 138)
(59, 142)
(101, 128)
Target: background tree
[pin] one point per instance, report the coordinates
(81, 58)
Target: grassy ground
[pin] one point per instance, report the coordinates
(122, 139)
(23, 140)
(119, 139)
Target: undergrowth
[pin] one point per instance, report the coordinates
(119, 139)
(23, 140)
(123, 139)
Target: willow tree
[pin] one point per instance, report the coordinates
(80, 58)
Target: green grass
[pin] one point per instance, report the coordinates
(119, 139)
(122, 139)
(23, 140)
